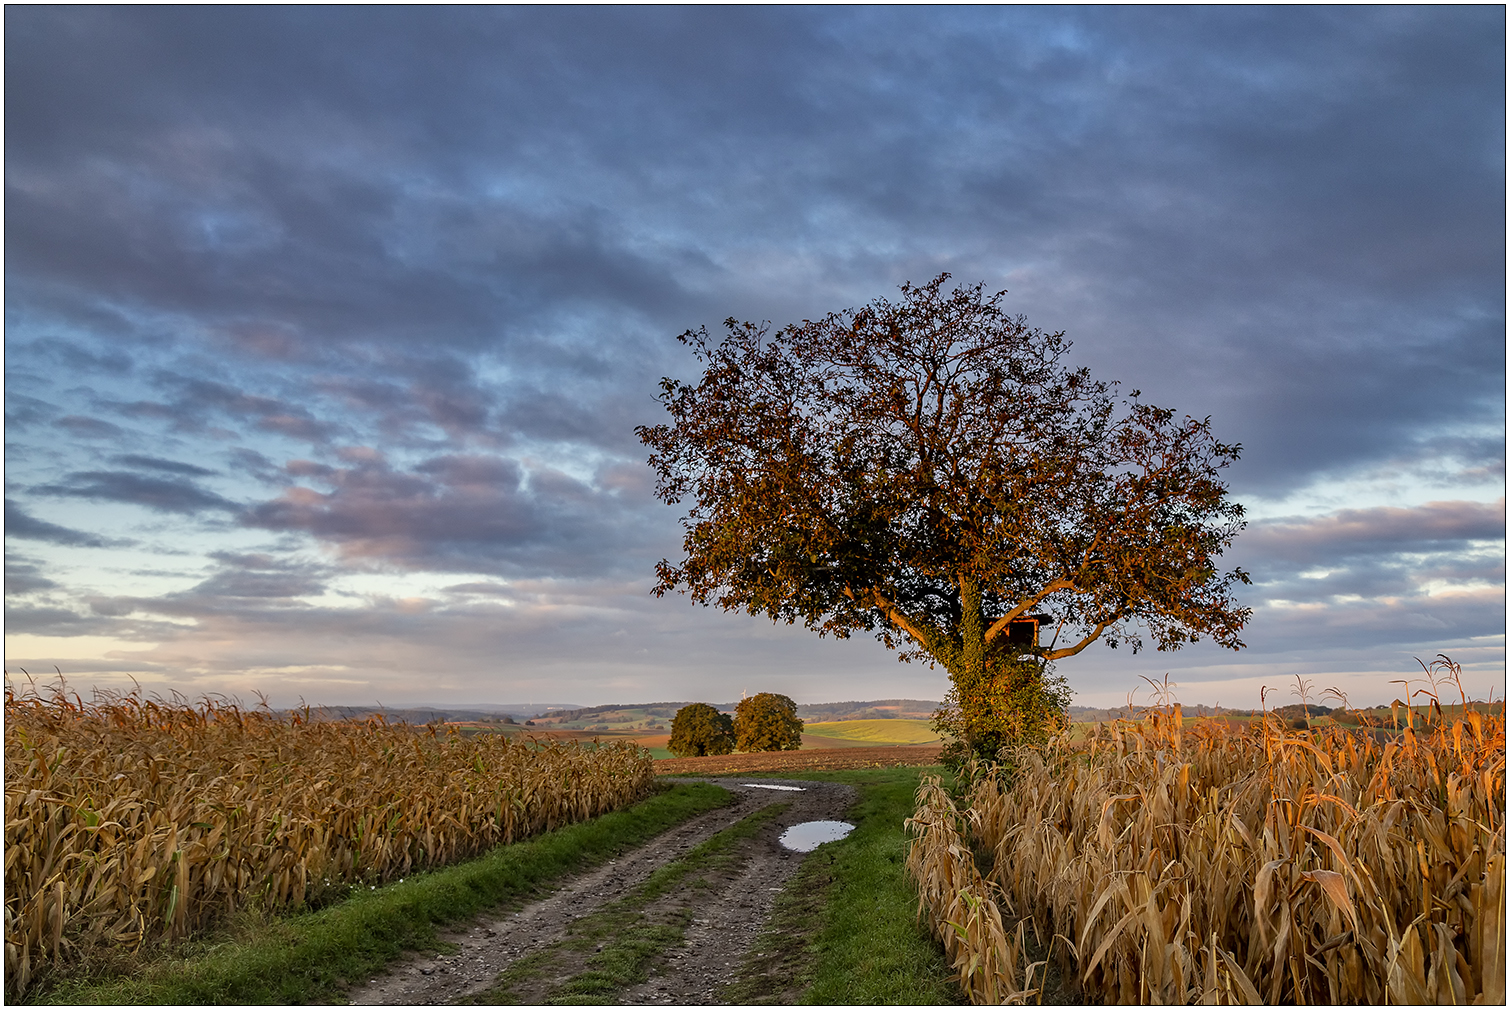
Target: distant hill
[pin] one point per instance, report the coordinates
(423, 715)
(660, 709)
(1081, 713)
(655, 717)
(608, 717)
(891, 708)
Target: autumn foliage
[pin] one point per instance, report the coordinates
(767, 722)
(699, 729)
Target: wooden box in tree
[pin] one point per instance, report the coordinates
(1023, 631)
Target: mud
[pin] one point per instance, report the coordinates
(726, 913)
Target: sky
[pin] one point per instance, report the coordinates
(328, 329)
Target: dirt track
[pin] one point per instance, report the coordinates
(721, 916)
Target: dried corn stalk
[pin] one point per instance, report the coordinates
(963, 907)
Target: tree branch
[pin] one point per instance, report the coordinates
(1072, 650)
(1001, 622)
(873, 598)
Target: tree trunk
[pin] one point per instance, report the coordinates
(970, 672)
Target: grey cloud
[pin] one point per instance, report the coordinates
(23, 525)
(156, 493)
(22, 411)
(255, 464)
(1407, 623)
(119, 606)
(22, 577)
(257, 561)
(1352, 532)
(1394, 572)
(473, 471)
(480, 589)
(463, 513)
(256, 576)
(88, 427)
(266, 585)
(195, 403)
(47, 620)
(79, 359)
(201, 396)
(145, 409)
(164, 465)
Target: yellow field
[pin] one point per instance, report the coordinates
(131, 821)
(874, 732)
(1164, 864)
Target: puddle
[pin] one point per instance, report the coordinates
(807, 836)
(785, 789)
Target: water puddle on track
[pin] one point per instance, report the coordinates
(807, 836)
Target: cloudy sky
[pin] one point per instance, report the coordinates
(327, 329)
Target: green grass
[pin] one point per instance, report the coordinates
(875, 732)
(848, 922)
(309, 957)
(621, 942)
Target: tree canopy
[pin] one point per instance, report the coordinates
(931, 470)
(700, 729)
(767, 722)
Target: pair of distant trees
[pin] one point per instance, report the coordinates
(763, 722)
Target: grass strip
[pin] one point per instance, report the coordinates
(863, 943)
(309, 957)
(619, 940)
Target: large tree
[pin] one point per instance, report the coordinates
(700, 729)
(932, 471)
(767, 721)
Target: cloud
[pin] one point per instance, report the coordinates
(88, 427)
(76, 358)
(164, 465)
(22, 618)
(156, 493)
(1350, 533)
(23, 577)
(24, 526)
(22, 411)
(262, 585)
(459, 512)
(1375, 576)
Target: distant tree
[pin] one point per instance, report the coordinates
(700, 729)
(930, 471)
(767, 722)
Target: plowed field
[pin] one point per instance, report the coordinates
(825, 759)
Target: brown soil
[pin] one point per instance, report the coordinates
(723, 917)
(826, 759)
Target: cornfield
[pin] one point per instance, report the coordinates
(129, 821)
(1162, 864)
